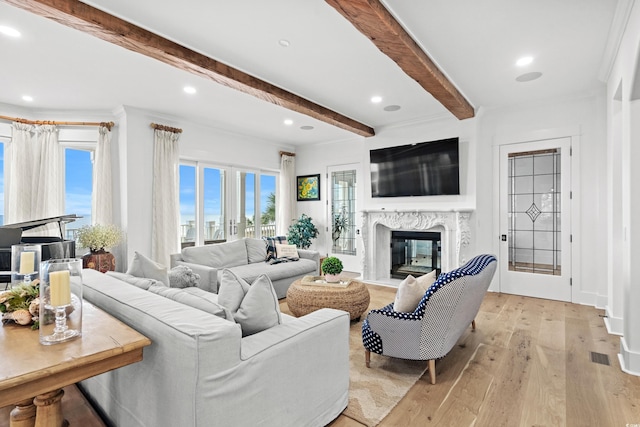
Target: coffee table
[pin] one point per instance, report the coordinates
(304, 299)
(31, 369)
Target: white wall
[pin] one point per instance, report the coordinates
(315, 159)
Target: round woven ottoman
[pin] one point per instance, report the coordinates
(303, 299)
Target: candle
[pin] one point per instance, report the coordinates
(27, 262)
(59, 288)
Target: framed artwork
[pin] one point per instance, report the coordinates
(308, 187)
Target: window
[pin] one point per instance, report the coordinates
(187, 198)
(78, 187)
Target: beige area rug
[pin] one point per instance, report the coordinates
(375, 391)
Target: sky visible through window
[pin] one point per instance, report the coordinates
(78, 182)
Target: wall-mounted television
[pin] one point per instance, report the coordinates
(421, 169)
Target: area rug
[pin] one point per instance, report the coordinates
(375, 391)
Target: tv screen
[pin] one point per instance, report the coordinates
(422, 169)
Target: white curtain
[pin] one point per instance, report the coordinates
(19, 161)
(102, 200)
(47, 197)
(165, 237)
(286, 195)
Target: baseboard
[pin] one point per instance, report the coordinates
(629, 360)
(614, 324)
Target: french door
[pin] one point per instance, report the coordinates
(252, 203)
(535, 219)
(343, 194)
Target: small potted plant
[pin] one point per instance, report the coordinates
(332, 267)
(97, 238)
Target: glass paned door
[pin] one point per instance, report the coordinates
(343, 221)
(535, 198)
(187, 196)
(214, 206)
(535, 219)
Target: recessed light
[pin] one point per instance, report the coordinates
(392, 108)
(376, 99)
(288, 122)
(190, 90)
(8, 31)
(27, 98)
(527, 77)
(307, 127)
(525, 60)
(284, 42)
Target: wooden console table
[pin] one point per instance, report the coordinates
(30, 369)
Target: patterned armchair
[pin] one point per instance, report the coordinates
(445, 311)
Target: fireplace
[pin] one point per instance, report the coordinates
(415, 253)
(377, 227)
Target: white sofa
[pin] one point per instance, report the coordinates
(246, 258)
(200, 372)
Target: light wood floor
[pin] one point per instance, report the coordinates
(527, 364)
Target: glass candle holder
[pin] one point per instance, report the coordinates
(60, 300)
(25, 264)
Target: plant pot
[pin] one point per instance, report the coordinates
(102, 261)
(332, 278)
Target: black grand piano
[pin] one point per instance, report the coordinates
(52, 247)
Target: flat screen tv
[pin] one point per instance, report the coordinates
(421, 169)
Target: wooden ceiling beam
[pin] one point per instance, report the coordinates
(373, 20)
(90, 20)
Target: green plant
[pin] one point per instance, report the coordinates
(98, 237)
(301, 232)
(332, 265)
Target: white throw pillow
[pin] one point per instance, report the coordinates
(426, 280)
(255, 307)
(286, 251)
(141, 266)
(408, 295)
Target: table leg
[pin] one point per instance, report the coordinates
(23, 415)
(49, 410)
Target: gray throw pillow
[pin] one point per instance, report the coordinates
(182, 276)
(141, 266)
(258, 308)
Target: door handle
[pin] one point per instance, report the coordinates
(503, 237)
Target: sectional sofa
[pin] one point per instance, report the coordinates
(199, 371)
(248, 259)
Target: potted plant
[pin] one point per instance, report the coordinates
(301, 232)
(98, 238)
(332, 267)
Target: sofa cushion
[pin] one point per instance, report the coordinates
(275, 272)
(140, 282)
(271, 246)
(141, 266)
(256, 250)
(219, 255)
(258, 308)
(194, 297)
(182, 276)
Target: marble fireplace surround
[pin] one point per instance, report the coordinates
(377, 226)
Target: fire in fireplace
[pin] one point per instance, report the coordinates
(415, 253)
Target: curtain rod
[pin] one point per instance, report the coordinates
(108, 125)
(286, 153)
(167, 128)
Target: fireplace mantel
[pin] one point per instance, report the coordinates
(376, 237)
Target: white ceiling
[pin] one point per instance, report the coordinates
(476, 43)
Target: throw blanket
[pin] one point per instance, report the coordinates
(271, 250)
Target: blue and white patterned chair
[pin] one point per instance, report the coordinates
(443, 314)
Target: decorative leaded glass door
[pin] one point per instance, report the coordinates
(535, 219)
(343, 219)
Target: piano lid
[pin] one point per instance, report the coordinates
(28, 225)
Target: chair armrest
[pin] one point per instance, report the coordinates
(208, 275)
(312, 255)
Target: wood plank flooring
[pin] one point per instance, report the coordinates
(527, 364)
